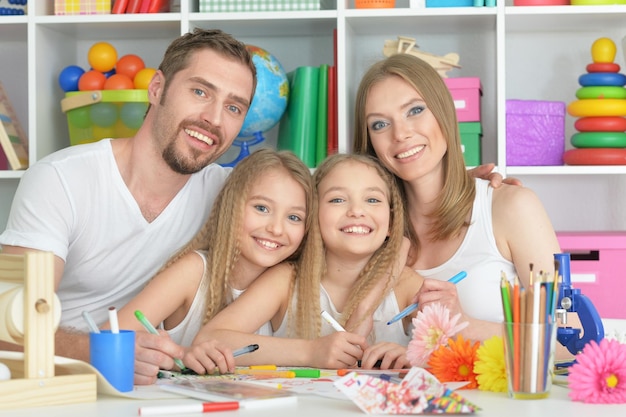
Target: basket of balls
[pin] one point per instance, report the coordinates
(110, 99)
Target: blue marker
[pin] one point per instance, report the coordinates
(245, 349)
(412, 307)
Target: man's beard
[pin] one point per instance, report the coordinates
(180, 165)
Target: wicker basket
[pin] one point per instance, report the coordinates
(375, 4)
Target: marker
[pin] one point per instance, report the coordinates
(390, 378)
(375, 372)
(377, 364)
(458, 277)
(412, 307)
(246, 349)
(115, 327)
(306, 373)
(150, 328)
(188, 408)
(265, 367)
(262, 373)
(331, 320)
(163, 374)
(408, 310)
(93, 328)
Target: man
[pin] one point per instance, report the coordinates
(114, 211)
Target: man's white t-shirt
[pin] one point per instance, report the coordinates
(75, 203)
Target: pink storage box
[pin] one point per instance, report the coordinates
(466, 94)
(535, 132)
(598, 268)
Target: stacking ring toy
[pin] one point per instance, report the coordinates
(599, 140)
(595, 156)
(602, 78)
(603, 67)
(597, 107)
(600, 124)
(584, 93)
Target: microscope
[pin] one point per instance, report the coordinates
(571, 300)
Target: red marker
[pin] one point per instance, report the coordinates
(188, 408)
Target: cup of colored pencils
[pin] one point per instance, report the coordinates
(529, 336)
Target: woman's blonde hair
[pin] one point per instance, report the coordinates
(457, 195)
(311, 266)
(219, 235)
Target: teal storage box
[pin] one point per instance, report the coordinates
(449, 3)
(471, 134)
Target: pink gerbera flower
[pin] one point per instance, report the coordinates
(433, 327)
(599, 374)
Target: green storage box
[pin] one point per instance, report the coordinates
(471, 133)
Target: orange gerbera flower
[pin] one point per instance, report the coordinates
(455, 362)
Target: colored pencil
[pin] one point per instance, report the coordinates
(522, 336)
(516, 335)
(541, 351)
(534, 336)
(506, 306)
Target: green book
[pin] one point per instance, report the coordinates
(297, 130)
(321, 143)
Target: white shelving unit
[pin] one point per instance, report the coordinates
(518, 52)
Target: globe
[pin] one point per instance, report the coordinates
(268, 104)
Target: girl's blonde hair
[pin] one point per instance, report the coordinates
(219, 235)
(311, 267)
(457, 195)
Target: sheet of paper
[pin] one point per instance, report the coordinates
(66, 366)
(418, 393)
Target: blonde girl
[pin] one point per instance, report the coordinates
(352, 245)
(259, 219)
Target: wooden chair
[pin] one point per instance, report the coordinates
(33, 381)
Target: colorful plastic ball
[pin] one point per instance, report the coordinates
(109, 73)
(123, 131)
(103, 114)
(98, 132)
(143, 77)
(132, 114)
(79, 117)
(91, 80)
(129, 65)
(118, 82)
(69, 76)
(102, 56)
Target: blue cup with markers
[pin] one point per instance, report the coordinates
(113, 355)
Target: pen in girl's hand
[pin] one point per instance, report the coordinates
(331, 320)
(412, 307)
(150, 328)
(245, 349)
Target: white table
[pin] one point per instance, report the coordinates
(492, 405)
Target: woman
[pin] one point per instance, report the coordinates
(405, 117)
